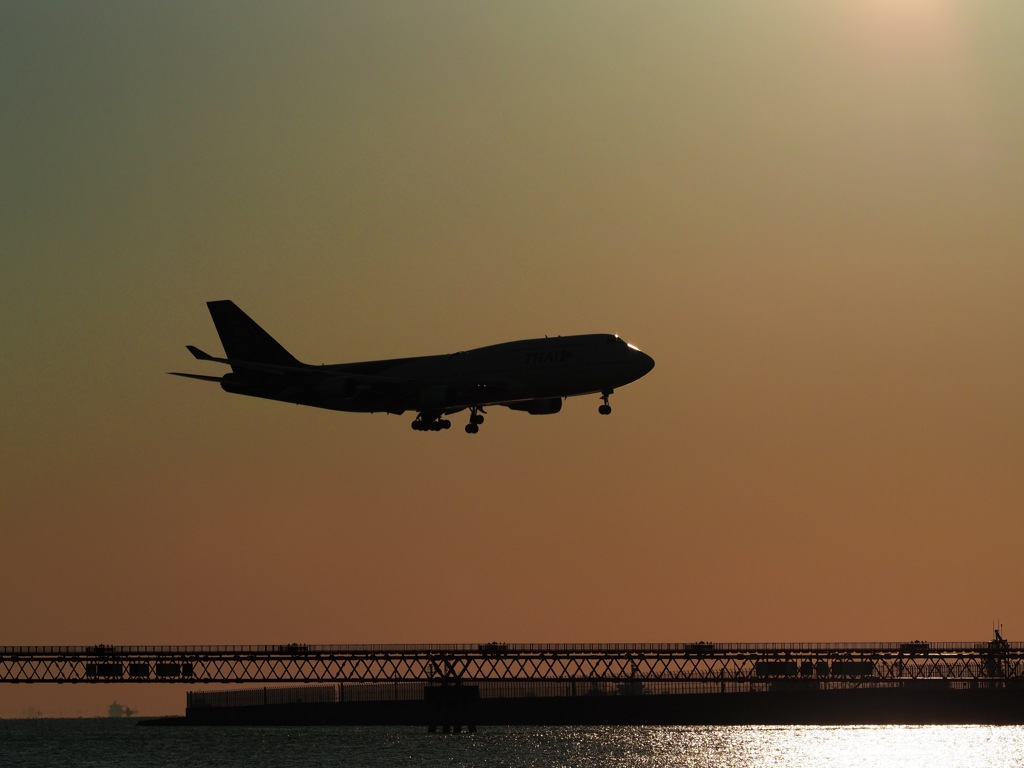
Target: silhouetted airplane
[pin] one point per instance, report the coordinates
(532, 375)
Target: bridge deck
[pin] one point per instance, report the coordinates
(997, 661)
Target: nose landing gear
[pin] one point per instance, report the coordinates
(604, 409)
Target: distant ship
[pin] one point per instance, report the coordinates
(116, 710)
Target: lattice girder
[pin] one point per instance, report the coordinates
(851, 664)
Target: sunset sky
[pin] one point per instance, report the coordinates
(808, 213)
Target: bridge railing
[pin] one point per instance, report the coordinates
(292, 649)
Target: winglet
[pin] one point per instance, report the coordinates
(197, 353)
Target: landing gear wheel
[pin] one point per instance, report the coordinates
(430, 424)
(605, 408)
(475, 420)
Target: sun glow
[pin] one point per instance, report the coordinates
(906, 27)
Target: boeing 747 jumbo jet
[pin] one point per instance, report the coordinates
(533, 375)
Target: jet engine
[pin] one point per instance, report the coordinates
(539, 407)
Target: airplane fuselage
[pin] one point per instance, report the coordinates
(532, 375)
(510, 372)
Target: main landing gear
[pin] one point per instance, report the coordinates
(605, 408)
(475, 420)
(430, 423)
(435, 422)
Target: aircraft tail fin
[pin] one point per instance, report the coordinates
(244, 340)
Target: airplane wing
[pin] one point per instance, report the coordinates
(309, 383)
(196, 376)
(403, 393)
(199, 354)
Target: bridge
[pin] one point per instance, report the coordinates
(722, 666)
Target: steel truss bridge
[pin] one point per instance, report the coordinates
(995, 663)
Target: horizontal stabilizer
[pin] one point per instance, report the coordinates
(246, 365)
(196, 376)
(197, 353)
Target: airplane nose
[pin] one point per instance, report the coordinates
(646, 363)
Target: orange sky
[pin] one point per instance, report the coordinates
(809, 216)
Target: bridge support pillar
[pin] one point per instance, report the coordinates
(451, 707)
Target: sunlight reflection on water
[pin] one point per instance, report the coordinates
(846, 747)
(114, 744)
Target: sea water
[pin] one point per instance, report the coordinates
(118, 743)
